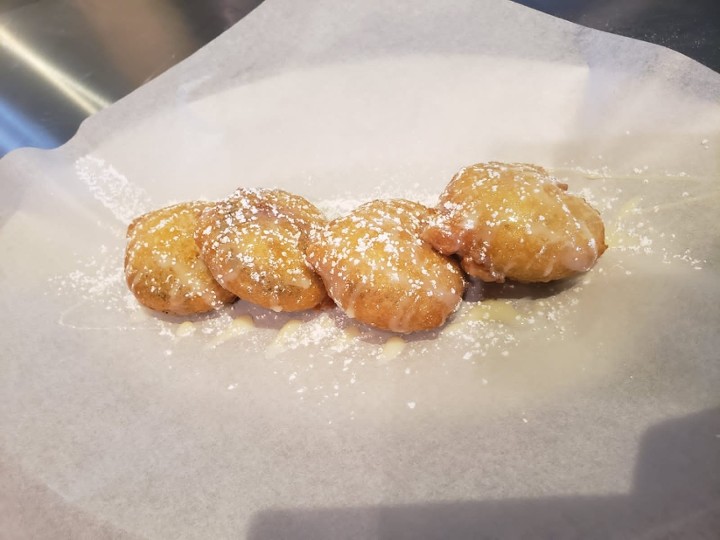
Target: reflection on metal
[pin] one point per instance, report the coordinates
(83, 97)
(63, 60)
(17, 129)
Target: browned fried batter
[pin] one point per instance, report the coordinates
(379, 271)
(162, 267)
(254, 245)
(513, 221)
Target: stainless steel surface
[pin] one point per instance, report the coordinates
(63, 60)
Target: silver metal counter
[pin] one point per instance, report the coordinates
(63, 60)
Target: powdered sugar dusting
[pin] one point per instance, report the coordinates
(378, 270)
(324, 356)
(124, 199)
(254, 246)
(488, 206)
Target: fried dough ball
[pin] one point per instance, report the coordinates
(513, 221)
(379, 271)
(162, 266)
(254, 244)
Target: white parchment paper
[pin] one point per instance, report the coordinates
(588, 409)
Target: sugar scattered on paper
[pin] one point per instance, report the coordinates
(344, 349)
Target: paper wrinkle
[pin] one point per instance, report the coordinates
(169, 433)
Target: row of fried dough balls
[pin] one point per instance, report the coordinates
(393, 264)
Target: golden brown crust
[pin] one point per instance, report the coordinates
(162, 266)
(254, 245)
(513, 221)
(380, 272)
